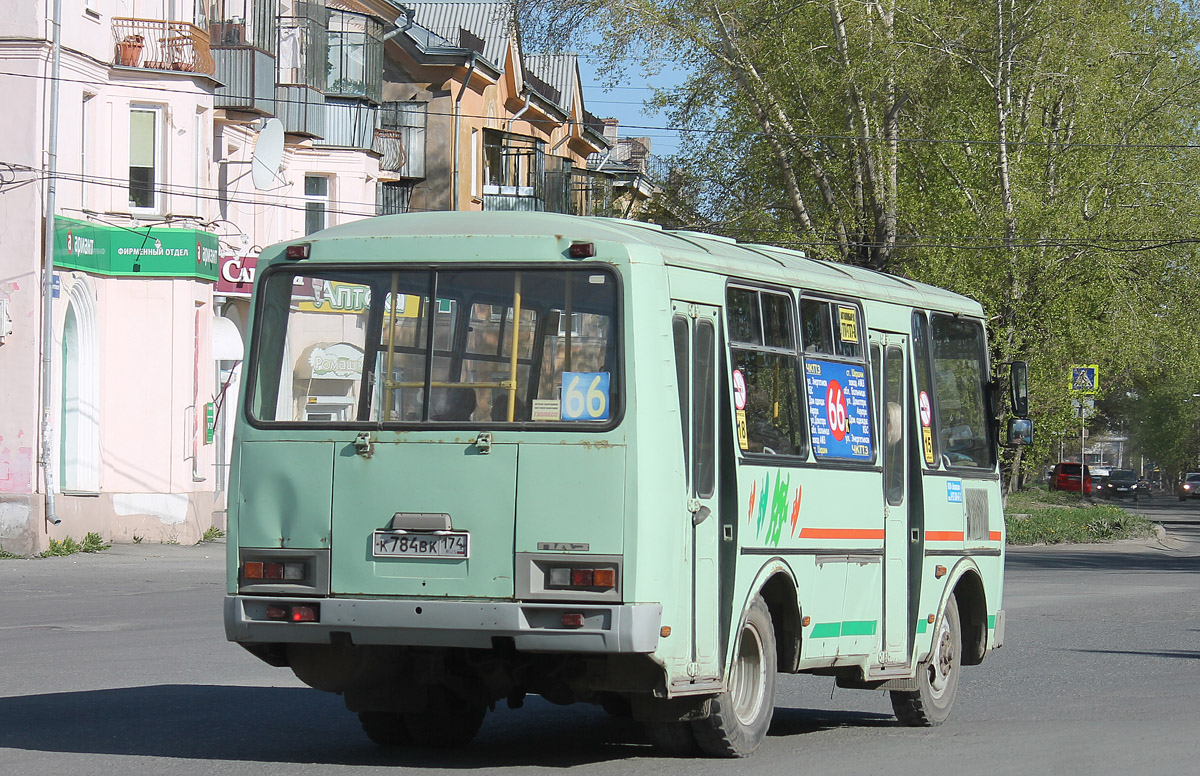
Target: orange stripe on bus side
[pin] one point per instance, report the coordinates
(944, 536)
(840, 533)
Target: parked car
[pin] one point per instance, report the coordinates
(1189, 487)
(1120, 483)
(1066, 476)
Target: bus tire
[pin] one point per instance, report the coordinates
(386, 728)
(740, 716)
(447, 722)
(937, 678)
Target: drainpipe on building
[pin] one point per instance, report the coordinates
(48, 273)
(519, 113)
(457, 105)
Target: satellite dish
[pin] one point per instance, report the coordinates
(268, 152)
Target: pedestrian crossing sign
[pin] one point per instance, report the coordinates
(1084, 378)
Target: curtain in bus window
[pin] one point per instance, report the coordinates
(959, 379)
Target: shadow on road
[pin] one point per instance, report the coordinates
(791, 722)
(291, 725)
(1098, 558)
(297, 725)
(1168, 653)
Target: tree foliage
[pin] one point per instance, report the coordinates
(1038, 156)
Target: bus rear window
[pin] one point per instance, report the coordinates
(490, 346)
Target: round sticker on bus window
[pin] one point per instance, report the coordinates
(926, 410)
(835, 410)
(739, 390)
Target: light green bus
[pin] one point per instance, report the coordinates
(485, 455)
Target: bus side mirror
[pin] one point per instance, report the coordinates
(1020, 432)
(1018, 372)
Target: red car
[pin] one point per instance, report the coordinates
(1066, 477)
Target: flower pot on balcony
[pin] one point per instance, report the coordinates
(129, 50)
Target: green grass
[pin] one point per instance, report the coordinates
(68, 546)
(211, 534)
(6, 555)
(1063, 518)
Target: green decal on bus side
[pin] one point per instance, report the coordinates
(922, 626)
(780, 505)
(832, 630)
(991, 622)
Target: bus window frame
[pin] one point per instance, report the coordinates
(864, 359)
(794, 460)
(280, 266)
(946, 467)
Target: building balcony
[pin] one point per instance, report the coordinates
(156, 44)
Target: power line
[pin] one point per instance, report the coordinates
(817, 138)
(904, 241)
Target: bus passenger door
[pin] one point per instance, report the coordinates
(695, 330)
(888, 356)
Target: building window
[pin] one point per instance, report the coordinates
(512, 164)
(316, 192)
(392, 197)
(145, 151)
(79, 428)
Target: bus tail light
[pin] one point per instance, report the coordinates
(274, 570)
(583, 578)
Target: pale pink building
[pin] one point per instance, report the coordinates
(352, 109)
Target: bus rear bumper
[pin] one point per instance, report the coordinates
(540, 627)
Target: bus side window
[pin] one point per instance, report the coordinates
(679, 333)
(763, 348)
(960, 374)
(925, 398)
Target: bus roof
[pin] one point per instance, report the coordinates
(695, 250)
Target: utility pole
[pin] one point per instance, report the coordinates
(47, 454)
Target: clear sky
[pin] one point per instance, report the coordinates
(626, 104)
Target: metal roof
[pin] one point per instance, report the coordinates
(487, 24)
(560, 72)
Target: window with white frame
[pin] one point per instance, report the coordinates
(145, 155)
(316, 205)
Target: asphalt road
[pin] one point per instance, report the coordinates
(116, 663)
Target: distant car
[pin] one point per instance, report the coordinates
(1189, 487)
(1120, 483)
(1066, 476)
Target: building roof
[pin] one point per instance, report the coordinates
(484, 26)
(556, 71)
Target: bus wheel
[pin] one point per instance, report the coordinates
(741, 715)
(385, 728)
(447, 722)
(937, 679)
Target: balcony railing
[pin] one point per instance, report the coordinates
(161, 45)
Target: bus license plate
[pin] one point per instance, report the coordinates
(402, 544)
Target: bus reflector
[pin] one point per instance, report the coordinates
(304, 614)
(604, 578)
(275, 612)
(581, 577)
(582, 250)
(252, 570)
(272, 571)
(572, 620)
(297, 251)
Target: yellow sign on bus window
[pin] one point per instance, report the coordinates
(848, 322)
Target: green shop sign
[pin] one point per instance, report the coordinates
(151, 251)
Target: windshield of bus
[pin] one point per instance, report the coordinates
(479, 346)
